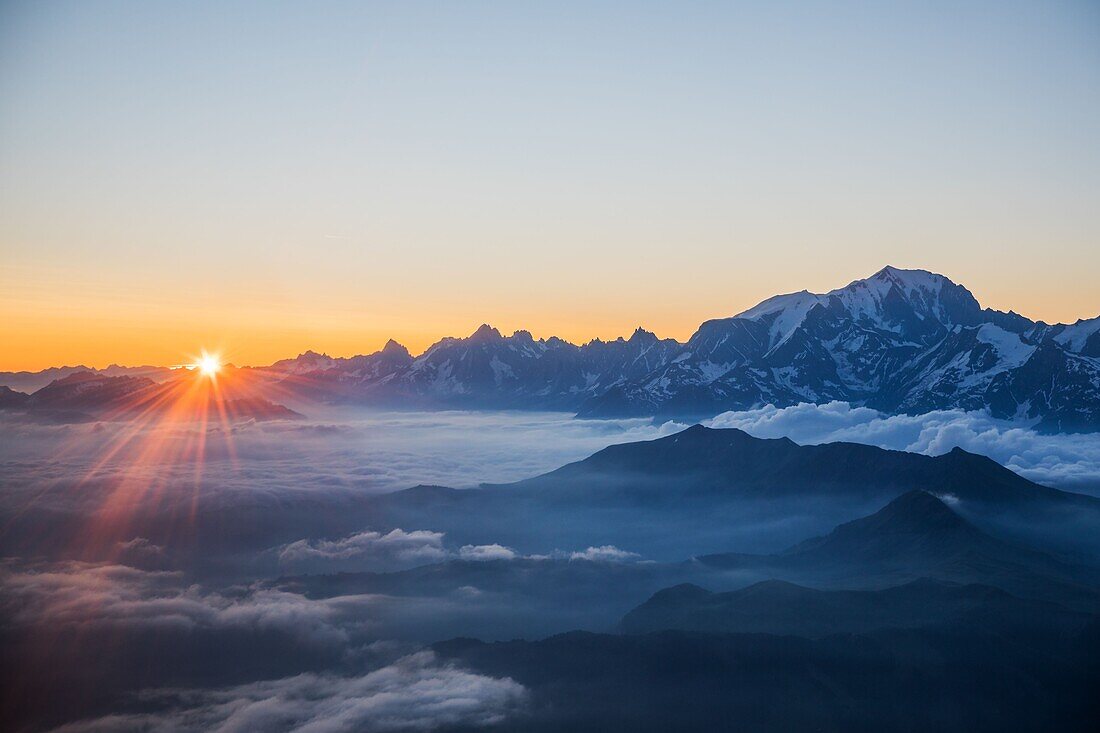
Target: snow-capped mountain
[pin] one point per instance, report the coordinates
(485, 370)
(899, 341)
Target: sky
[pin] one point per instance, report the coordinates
(265, 178)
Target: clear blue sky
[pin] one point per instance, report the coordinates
(269, 177)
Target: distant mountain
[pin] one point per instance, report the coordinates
(779, 607)
(965, 678)
(33, 381)
(11, 398)
(86, 395)
(918, 536)
(485, 371)
(723, 488)
(900, 341)
(732, 462)
(916, 527)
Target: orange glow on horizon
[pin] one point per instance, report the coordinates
(172, 423)
(41, 330)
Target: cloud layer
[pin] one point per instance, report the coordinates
(399, 549)
(1066, 461)
(416, 693)
(121, 610)
(262, 485)
(104, 597)
(373, 550)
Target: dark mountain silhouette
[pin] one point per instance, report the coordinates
(484, 370)
(960, 678)
(12, 398)
(914, 525)
(86, 395)
(917, 536)
(779, 607)
(730, 461)
(709, 484)
(26, 381)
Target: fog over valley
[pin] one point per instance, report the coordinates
(316, 561)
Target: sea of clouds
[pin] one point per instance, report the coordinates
(366, 451)
(337, 449)
(274, 483)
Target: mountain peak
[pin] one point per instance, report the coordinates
(906, 275)
(915, 522)
(77, 377)
(918, 505)
(914, 512)
(928, 285)
(392, 348)
(485, 334)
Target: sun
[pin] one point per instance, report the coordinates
(208, 365)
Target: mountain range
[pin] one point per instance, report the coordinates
(913, 563)
(917, 536)
(84, 395)
(779, 607)
(959, 680)
(900, 341)
(723, 488)
(967, 632)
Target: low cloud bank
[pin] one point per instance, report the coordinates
(393, 549)
(486, 552)
(261, 485)
(120, 609)
(1067, 461)
(399, 550)
(351, 449)
(604, 553)
(109, 597)
(416, 693)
